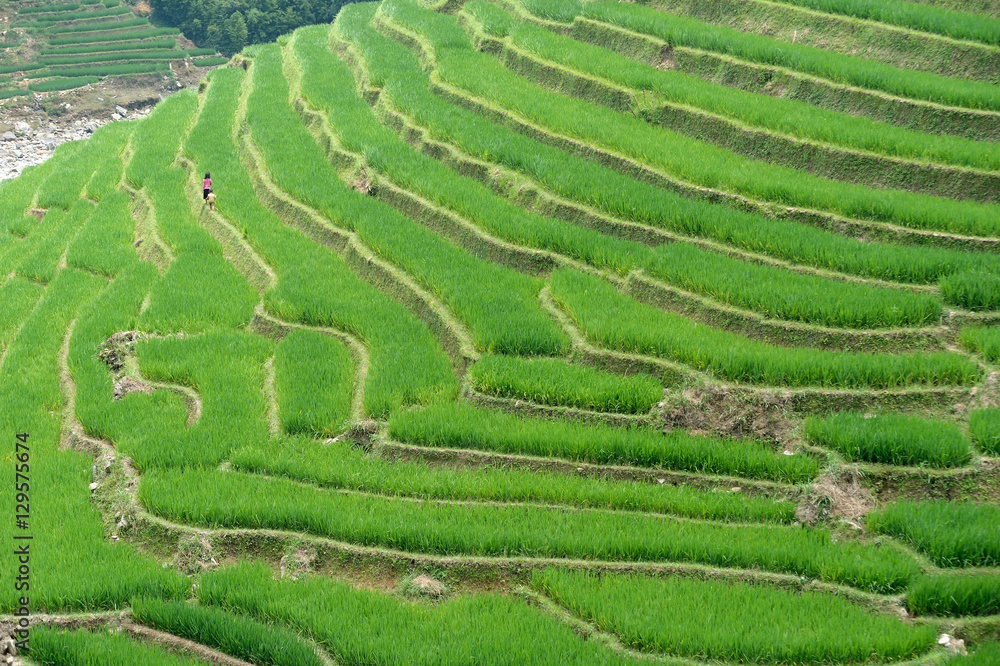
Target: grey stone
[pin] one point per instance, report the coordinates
(8, 136)
(115, 116)
(121, 110)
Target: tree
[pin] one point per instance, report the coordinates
(234, 34)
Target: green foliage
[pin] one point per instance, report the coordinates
(954, 595)
(984, 427)
(982, 340)
(986, 655)
(785, 116)
(314, 381)
(234, 635)
(209, 62)
(342, 465)
(959, 25)
(702, 164)
(557, 382)
(212, 498)
(70, 559)
(734, 622)
(892, 439)
(62, 83)
(393, 67)
(119, 37)
(616, 321)
(226, 370)
(464, 427)
(154, 44)
(200, 292)
(953, 534)
(315, 286)
(97, 27)
(392, 632)
(498, 304)
(81, 647)
(852, 70)
(119, 55)
(102, 70)
(973, 291)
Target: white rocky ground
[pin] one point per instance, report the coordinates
(34, 137)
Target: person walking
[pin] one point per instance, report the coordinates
(211, 200)
(206, 185)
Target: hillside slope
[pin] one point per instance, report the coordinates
(519, 332)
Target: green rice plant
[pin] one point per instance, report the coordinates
(700, 163)
(396, 70)
(982, 340)
(954, 595)
(62, 83)
(70, 559)
(109, 172)
(209, 62)
(60, 15)
(102, 246)
(24, 67)
(775, 292)
(394, 632)
(846, 69)
(17, 194)
(616, 321)
(984, 428)
(939, 20)
(499, 305)
(102, 70)
(115, 56)
(785, 116)
(952, 534)
(96, 27)
(12, 93)
(736, 622)
(41, 263)
(465, 427)
(892, 439)
(199, 292)
(37, 9)
(557, 382)
(314, 378)
(18, 297)
(119, 37)
(974, 291)
(342, 465)
(314, 285)
(234, 635)
(154, 44)
(208, 497)
(67, 183)
(227, 371)
(80, 647)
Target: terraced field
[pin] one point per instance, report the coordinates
(54, 45)
(522, 332)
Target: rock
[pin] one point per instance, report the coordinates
(115, 116)
(91, 126)
(954, 645)
(22, 127)
(93, 486)
(121, 110)
(8, 647)
(8, 136)
(122, 524)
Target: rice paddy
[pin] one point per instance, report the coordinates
(493, 348)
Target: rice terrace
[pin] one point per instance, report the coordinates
(506, 332)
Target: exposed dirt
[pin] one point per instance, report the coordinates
(836, 495)
(720, 411)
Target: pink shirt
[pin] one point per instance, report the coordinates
(206, 184)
